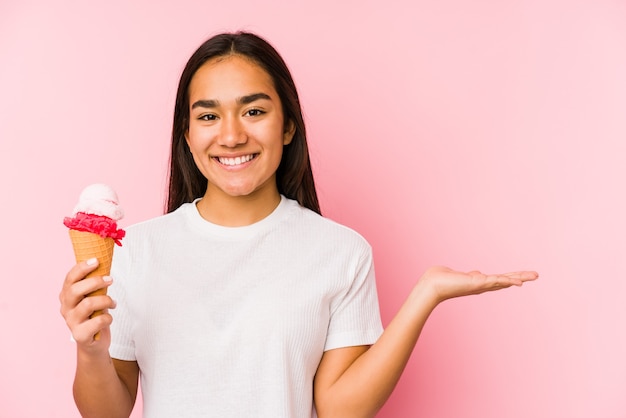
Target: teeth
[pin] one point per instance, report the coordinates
(236, 160)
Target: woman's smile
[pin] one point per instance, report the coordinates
(235, 162)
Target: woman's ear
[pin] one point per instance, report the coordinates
(289, 132)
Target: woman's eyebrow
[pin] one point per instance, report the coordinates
(247, 99)
(253, 97)
(205, 103)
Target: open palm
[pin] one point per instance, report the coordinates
(447, 283)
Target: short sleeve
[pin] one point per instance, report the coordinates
(122, 345)
(355, 317)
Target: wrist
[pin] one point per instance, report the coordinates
(425, 295)
(92, 355)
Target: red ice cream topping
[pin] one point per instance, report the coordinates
(100, 225)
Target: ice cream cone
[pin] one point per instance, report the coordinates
(89, 245)
(93, 230)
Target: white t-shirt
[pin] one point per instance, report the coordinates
(232, 322)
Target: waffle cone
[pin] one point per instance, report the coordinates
(88, 245)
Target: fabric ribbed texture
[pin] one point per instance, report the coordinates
(232, 322)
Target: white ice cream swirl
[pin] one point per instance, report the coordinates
(99, 199)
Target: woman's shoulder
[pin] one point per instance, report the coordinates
(160, 222)
(327, 228)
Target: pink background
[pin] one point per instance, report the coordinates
(483, 134)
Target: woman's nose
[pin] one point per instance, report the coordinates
(232, 132)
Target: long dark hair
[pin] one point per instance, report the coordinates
(294, 177)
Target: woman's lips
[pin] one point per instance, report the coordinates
(235, 161)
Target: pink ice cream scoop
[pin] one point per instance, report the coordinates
(97, 211)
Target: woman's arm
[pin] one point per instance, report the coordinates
(357, 381)
(103, 387)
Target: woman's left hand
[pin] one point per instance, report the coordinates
(447, 283)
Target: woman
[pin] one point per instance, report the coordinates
(243, 300)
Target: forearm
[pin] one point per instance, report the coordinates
(98, 390)
(358, 384)
(367, 384)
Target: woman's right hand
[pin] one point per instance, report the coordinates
(77, 307)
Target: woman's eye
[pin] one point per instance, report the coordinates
(207, 117)
(254, 112)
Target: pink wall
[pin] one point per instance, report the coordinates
(483, 134)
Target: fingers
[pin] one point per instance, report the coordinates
(514, 278)
(72, 295)
(517, 276)
(80, 270)
(85, 308)
(81, 322)
(77, 275)
(492, 281)
(524, 276)
(80, 297)
(83, 333)
(504, 280)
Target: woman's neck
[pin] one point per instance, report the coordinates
(232, 211)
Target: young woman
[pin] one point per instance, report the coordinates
(242, 301)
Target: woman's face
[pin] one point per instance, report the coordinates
(236, 127)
